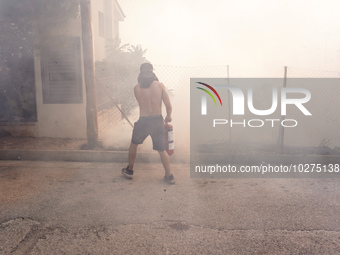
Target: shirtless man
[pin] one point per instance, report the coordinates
(150, 94)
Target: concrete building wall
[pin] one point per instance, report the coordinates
(106, 15)
(97, 8)
(19, 129)
(60, 120)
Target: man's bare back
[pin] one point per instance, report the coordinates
(150, 100)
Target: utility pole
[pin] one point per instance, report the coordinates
(229, 102)
(89, 74)
(281, 136)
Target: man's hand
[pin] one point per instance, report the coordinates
(168, 119)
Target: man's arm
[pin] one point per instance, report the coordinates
(167, 103)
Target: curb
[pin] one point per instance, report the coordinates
(147, 157)
(86, 156)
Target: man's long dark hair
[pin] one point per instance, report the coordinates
(146, 75)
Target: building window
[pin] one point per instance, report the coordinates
(101, 23)
(61, 72)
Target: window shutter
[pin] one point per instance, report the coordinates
(61, 72)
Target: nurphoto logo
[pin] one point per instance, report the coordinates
(249, 127)
(238, 104)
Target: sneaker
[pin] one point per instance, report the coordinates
(169, 179)
(127, 172)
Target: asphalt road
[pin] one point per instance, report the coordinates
(89, 208)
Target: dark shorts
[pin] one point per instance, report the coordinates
(153, 126)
